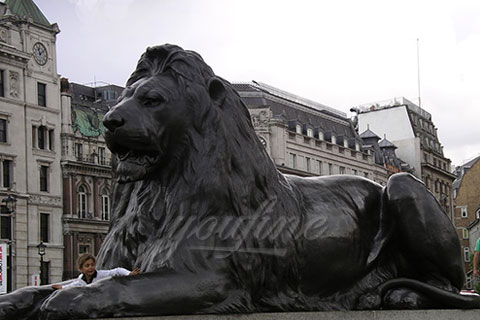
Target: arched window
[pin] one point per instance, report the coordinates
(105, 203)
(82, 202)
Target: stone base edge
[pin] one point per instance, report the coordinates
(330, 315)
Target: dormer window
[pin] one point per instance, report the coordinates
(310, 132)
(298, 129)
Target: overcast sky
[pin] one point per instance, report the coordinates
(338, 53)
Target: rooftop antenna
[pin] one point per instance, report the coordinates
(418, 72)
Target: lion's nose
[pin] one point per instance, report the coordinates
(112, 121)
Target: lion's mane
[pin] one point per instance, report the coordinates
(223, 172)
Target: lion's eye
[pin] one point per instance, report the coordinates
(152, 101)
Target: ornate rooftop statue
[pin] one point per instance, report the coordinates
(201, 209)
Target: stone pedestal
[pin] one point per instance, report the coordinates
(332, 315)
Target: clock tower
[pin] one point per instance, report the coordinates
(30, 149)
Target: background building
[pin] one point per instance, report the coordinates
(30, 143)
(86, 169)
(411, 129)
(307, 138)
(466, 191)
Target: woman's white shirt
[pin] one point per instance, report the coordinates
(100, 274)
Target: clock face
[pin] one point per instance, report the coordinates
(40, 53)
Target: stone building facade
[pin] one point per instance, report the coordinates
(86, 169)
(30, 147)
(411, 129)
(466, 191)
(307, 138)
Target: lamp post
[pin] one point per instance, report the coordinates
(10, 203)
(41, 251)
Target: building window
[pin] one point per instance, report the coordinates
(83, 248)
(354, 172)
(79, 151)
(51, 139)
(321, 136)
(309, 132)
(342, 170)
(6, 173)
(2, 84)
(465, 233)
(42, 94)
(330, 169)
(109, 95)
(82, 202)
(5, 224)
(466, 254)
(44, 178)
(3, 130)
(464, 212)
(44, 227)
(293, 160)
(365, 174)
(308, 161)
(105, 207)
(41, 133)
(298, 129)
(101, 156)
(319, 167)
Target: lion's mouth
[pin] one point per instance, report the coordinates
(134, 165)
(149, 158)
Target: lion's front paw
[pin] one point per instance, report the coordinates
(402, 299)
(369, 301)
(65, 304)
(7, 310)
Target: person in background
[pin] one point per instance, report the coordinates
(476, 260)
(89, 274)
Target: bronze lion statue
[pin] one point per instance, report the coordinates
(200, 207)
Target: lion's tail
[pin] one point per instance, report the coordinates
(446, 298)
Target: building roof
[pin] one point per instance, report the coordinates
(369, 134)
(27, 9)
(461, 170)
(294, 109)
(89, 105)
(420, 121)
(384, 143)
(87, 121)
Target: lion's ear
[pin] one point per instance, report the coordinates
(216, 89)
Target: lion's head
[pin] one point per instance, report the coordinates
(185, 140)
(165, 104)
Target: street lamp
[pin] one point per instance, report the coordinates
(10, 203)
(41, 251)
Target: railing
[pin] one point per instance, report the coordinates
(94, 160)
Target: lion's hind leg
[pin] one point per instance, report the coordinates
(426, 241)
